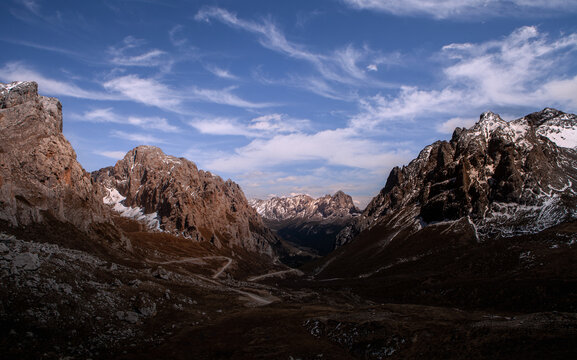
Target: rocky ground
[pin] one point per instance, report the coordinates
(168, 297)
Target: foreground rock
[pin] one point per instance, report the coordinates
(40, 178)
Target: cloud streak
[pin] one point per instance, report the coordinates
(340, 147)
(262, 126)
(17, 71)
(344, 66)
(523, 69)
(107, 115)
(445, 9)
(139, 138)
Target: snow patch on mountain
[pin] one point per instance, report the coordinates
(114, 199)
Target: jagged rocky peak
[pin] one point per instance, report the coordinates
(505, 178)
(308, 222)
(40, 177)
(306, 207)
(174, 195)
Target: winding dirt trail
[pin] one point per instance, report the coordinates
(274, 274)
(198, 261)
(216, 275)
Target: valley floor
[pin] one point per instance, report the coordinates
(185, 300)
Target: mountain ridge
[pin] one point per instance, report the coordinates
(306, 221)
(479, 172)
(175, 196)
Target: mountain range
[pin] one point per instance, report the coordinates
(308, 222)
(468, 251)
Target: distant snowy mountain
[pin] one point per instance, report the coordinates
(309, 222)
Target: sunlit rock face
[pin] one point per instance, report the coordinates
(177, 197)
(40, 177)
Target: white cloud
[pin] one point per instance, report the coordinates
(130, 53)
(16, 71)
(221, 73)
(111, 154)
(277, 123)
(145, 91)
(142, 139)
(108, 115)
(525, 68)
(152, 92)
(261, 126)
(220, 126)
(565, 89)
(224, 97)
(372, 67)
(449, 126)
(443, 9)
(340, 147)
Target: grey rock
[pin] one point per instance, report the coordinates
(148, 310)
(161, 273)
(27, 261)
(131, 317)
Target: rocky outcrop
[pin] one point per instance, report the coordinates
(185, 200)
(40, 177)
(309, 222)
(503, 178)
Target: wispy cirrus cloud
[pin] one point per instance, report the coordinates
(153, 92)
(444, 9)
(220, 126)
(139, 138)
(522, 69)
(262, 126)
(345, 65)
(175, 36)
(221, 73)
(339, 147)
(131, 52)
(224, 97)
(146, 91)
(110, 154)
(107, 115)
(18, 71)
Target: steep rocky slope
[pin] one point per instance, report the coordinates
(308, 222)
(502, 178)
(40, 178)
(479, 221)
(174, 195)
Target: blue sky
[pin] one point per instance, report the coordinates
(292, 96)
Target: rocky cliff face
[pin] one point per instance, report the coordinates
(502, 178)
(173, 194)
(40, 177)
(309, 222)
